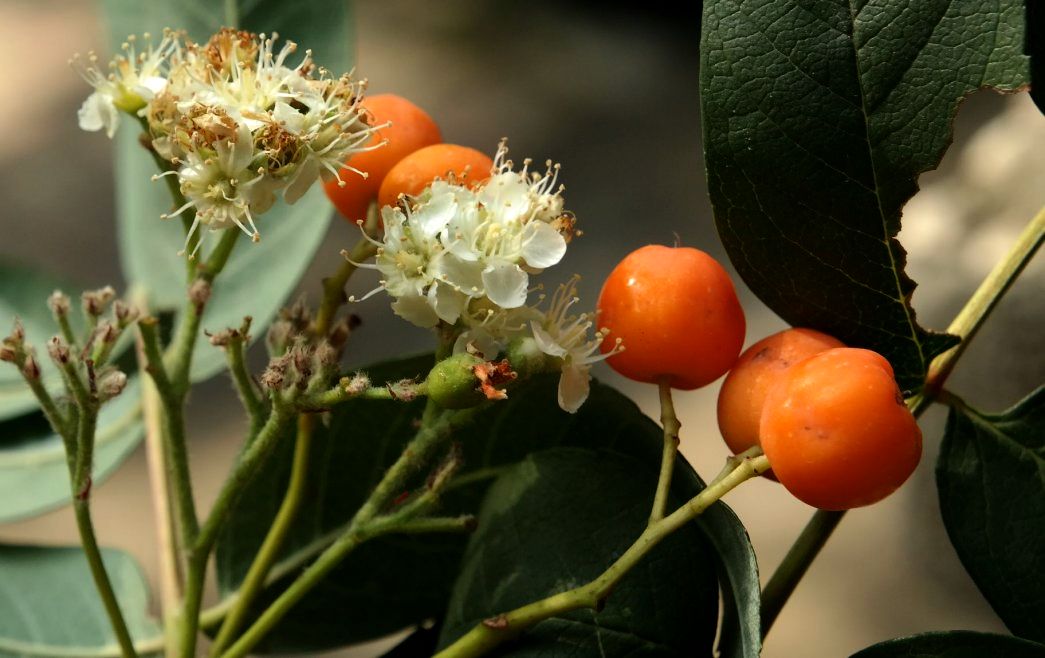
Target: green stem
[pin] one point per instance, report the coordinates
(504, 627)
(333, 298)
(334, 286)
(670, 422)
(324, 400)
(245, 387)
(274, 540)
(248, 465)
(435, 428)
(795, 564)
(972, 316)
(81, 491)
(965, 325)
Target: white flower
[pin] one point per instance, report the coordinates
(133, 80)
(565, 337)
(236, 122)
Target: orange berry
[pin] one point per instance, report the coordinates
(677, 313)
(414, 172)
(837, 432)
(743, 394)
(411, 129)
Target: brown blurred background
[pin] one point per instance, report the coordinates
(613, 95)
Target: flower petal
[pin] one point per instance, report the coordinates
(416, 309)
(545, 342)
(302, 179)
(506, 284)
(98, 112)
(542, 245)
(447, 302)
(573, 387)
(434, 215)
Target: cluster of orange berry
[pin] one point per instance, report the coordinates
(831, 419)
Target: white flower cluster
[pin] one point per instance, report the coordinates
(463, 256)
(235, 121)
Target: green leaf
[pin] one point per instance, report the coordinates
(23, 294)
(818, 118)
(558, 520)
(953, 644)
(259, 277)
(991, 480)
(48, 604)
(34, 476)
(396, 582)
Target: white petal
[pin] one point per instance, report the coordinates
(433, 216)
(447, 302)
(542, 245)
(545, 342)
(415, 309)
(98, 112)
(573, 387)
(148, 87)
(465, 275)
(506, 196)
(506, 284)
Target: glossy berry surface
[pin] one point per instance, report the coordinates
(411, 129)
(743, 393)
(837, 432)
(677, 313)
(414, 172)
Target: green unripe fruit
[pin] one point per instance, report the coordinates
(452, 383)
(526, 357)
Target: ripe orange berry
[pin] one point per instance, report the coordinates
(837, 432)
(414, 172)
(744, 392)
(411, 129)
(677, 313)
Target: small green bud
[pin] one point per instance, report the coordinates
(452, 383)
(526, 357)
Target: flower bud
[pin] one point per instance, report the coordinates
(96, 301)
(452, 383)
(31, 369)
(275, 376)
(123, 313)
(59, 303)
(526, 357)
(110, 384)
(279, 336)
(58, 351)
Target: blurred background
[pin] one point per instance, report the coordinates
(612, 94)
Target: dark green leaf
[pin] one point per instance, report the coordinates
(954, 644)
(818, 118)
(260, 276)
(49, 606)
(558, 520)
(23, 295)
(34, 477)
(399, 581)
(991, 479)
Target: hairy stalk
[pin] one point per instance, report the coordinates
(670, 422)
(267, 555)
(965, 325)
(250, 462)
(435, 429)
(507, 626)
(81, 491)
(245, 388)
(333, 298)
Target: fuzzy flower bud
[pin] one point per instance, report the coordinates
(59, 303)
(58, 351)
(96, 301)
(275, 376)
(30, 368)
(110, 384)
(123, 313)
